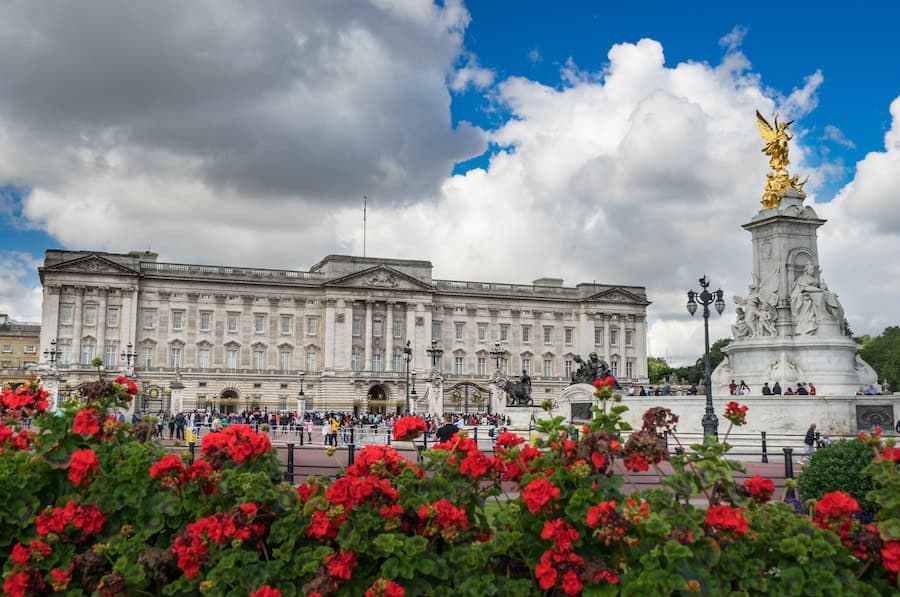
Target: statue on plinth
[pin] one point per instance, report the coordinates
(593, 368)
(776, 148)
(756, 313)
(812, 303)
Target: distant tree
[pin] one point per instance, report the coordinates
(657, 369)
(716, 356)
(863, 340)
(883, 353)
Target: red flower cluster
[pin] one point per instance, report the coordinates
(266, 591)
(17, 441)
(508, 439)
(472, 462)
(89, 519)
(34, 552)
(726, 522)
(538, 494)
(379, 461)
(835, 512)
(173, 473)
(353, 491)
(889, 453)
(610, 524)
(760, 488)
(88, 422)
(385, 588)
(518, 466)
(561, 533)
(554, 563)
(442, 518)
(604, 382)
(29, 398)
(736, 413)
(408, 428)
(168, 467)
(340, 565)
(220, 528)
(130, 387)
(23, 583)
(890, 555)
(238, 442)
(636, 463)
(83, 466)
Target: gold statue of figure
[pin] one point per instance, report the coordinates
(776, 148)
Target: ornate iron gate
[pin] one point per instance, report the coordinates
(467, 397)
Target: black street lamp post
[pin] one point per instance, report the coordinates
(51, 353)
(498, 353)
(435, 352)
(706, 298)
(128, 356)
(407, 354)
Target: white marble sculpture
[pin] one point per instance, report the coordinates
(813, 304)
(756, 313)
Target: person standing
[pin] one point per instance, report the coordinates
(809, 441)
(776, 389)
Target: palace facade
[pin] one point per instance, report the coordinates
(230, 338)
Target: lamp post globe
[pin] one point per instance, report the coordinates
(705, 298)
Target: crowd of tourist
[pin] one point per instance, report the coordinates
(330, 428)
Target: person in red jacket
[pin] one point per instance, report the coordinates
(812, 389)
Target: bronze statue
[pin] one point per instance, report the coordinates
(519, 392)
(778, 181)
(592, 369)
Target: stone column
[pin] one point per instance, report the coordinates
(640, 347)
(585, 334)
(348, 335)
(49, 319)
(419, 356)
(77, 318)
(411, 312)
(328, 335)
(101, 323)
(388, 331)
(128, 320)
(367, 355)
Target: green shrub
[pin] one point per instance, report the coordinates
(839, 467)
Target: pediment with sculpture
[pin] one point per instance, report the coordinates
(380, 276)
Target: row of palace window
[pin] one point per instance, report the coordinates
(111, 359)
(459, 329)
(232, 321)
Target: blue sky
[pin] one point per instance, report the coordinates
(501, 140)
(856, 50)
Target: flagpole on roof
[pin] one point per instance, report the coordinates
(364, 225)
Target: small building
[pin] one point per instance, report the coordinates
(19, 350)
(242, 338)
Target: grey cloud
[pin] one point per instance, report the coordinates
(318, 99)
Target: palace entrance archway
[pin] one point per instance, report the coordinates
(377, 400)
(228, 401)
(467, 397)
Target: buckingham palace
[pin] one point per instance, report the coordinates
(356, 334)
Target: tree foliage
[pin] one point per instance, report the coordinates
(883, 354)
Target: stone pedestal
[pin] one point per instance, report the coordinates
(789, 325)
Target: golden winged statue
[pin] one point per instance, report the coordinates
(776, 148)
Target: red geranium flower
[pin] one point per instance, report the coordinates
(560, 532)
(637, 463)
(83, 465)
(408, 428)
(835, 512)
(508, 439)
(890, 553)
(130, 386)
(726, 521)
(538, 493)
(736, 413)
(169, 466)
(16, 584)
(760, 488)
(385, 588)
(87, 422)
(341, 564)
(266, 591)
